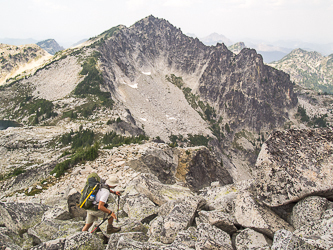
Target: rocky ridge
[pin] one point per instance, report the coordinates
(308, 69)
(22, 59)
(50, 45)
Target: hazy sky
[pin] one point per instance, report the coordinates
(69, 21)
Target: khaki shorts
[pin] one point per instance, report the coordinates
(94, 215)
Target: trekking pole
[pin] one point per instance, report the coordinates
(99, 224)
(118, 208)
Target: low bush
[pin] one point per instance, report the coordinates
(81, 155)
(112, 139)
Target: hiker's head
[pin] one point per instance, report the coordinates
(112, 181)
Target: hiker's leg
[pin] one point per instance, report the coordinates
(86, 227)
(110, 221)
(89, 221)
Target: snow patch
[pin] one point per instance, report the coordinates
(170, 117)
(134, 85)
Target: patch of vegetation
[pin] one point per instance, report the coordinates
(15, 172)
(92, 82)
(178, 81)
(81, 155)
(81, 138)
(191, 140)
(43, 109)
(316, 122)
(71, 114)
(109, 122)
(112, 139)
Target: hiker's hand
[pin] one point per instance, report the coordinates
(117, 193)
(113, 215)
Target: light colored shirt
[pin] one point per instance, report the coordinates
(102, 195)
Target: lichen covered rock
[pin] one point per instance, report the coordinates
(293, 164)
(248, 239)
(21, 216)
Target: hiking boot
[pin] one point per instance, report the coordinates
(111, 229)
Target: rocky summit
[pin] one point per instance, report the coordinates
(213, 150)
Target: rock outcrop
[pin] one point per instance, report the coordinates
(308, 69)
(196, 167)
(294, 164)
(22, 59)
(50, 45)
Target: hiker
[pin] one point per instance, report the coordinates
(100, 206)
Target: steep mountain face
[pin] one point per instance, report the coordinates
(244, 91)
(308, 69)
(249, 94)
(50, 45)
(15, 60)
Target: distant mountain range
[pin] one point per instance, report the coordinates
(308, 69)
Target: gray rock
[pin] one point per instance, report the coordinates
(155, 229)
(177, 215)
(126, 243)
(74, 210)
(160, 162)
(57, 214)
(114, 238)
(317, 232)
(222, 198)
(57, 244)
(139, 207)
(200, 168)
(293, 164)
(210, 237)
(21, 216)
(307, 210)
(157, 192)
(53, 229)
(250, 239)
(219, 219)
(128, 226)
(186, 238)
(196, 166)
(83, 241)
(286, 240)
(7, 241)
(251, 214)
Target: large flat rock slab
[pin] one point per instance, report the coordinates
(293, 164)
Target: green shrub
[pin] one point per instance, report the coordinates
(302, 113)
(81, 155)
(111, 139)
(198, 140)
(92, 81)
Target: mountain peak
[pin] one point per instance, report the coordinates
(50, 45)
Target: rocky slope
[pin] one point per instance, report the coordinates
(158, 215)
(20, 61)
(50, 45)
(308, 69)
